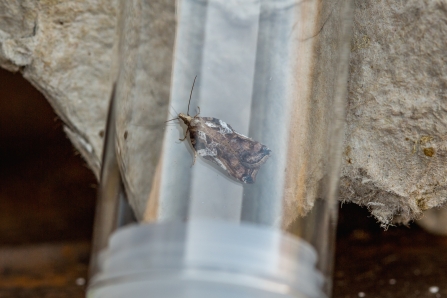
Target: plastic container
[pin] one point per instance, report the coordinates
(245, 220)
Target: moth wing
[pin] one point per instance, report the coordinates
(215, 153)
(240, 156)
(252, 154)
(218, 125)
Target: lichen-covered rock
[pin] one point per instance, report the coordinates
(395, 150)
(64, 49)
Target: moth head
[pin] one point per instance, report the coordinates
(185, 118)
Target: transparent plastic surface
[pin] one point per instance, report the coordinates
(263, 130)
(243, 258)
(267, 69)
(230, 87)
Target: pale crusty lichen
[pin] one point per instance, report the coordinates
(396, 112)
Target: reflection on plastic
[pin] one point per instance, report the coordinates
(241, 259)
(224, 55)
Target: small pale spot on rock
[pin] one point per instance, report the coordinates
(348, 150)
(425, 139)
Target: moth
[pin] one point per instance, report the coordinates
(214, 140)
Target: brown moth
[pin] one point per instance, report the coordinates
(213, 139)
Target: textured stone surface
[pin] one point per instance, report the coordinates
(395, 151)
(64, 49)
(149, 28)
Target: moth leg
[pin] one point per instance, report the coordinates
(198, 108)
(186, 134)
(194, 160)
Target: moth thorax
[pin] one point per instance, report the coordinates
(185, 118)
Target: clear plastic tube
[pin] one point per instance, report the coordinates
(255, 215)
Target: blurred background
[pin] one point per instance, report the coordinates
(47, 198)
(47, 201)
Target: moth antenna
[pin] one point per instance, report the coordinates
(190, 95)
(170, 113)
(174, 110)
(172, 119)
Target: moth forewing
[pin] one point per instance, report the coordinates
(215, 140)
